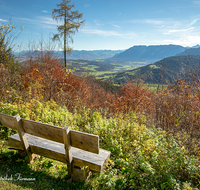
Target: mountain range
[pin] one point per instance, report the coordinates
(166, 70)
(167, 62)
(76, 54)
(149, 53)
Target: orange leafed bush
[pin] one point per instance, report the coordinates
(134, 98)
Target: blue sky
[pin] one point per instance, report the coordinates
(109, 24)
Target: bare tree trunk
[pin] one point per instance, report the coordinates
(65, 43)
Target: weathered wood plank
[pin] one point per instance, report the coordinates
(54, 150)
(84, 141)
(18, 124)
(15, 143)
(42, 130)
(8, 121)
(68, 151)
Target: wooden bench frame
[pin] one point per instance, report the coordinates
(75, 148)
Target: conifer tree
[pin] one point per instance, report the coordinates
(72, 22)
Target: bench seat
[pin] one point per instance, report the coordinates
(56, 151)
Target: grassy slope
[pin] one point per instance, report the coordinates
(100, 68)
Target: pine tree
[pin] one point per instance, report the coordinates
(72, 22)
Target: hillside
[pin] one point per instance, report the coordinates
(191, 51)
(149, 53)
(167, 70)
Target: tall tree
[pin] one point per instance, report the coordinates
(72, 22)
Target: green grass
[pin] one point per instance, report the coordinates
(100, 72)
(83, 63)
(90, 68)
(43, 173)
(154, 67)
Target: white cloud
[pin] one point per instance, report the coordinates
(194, 21)
(117, 26)
(108, 33)
(42, 22)
(155, 22)
(47, 20)
(184, 41)
(98, 23)
(86, 5)
(104, 33)
(179, 30)
(196, 2)
(2, 20)
(148, 21)
(45, 11)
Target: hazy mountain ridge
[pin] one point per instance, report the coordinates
(149, 53)
(76, 54)
(190, 51)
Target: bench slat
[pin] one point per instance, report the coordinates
(54, 150)
(8, 121)
(84, 141)
(43, 130)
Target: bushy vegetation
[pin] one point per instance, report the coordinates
(153, 137)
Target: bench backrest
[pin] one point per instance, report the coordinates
(84, 141)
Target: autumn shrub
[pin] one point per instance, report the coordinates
(10, 70)
(134, 98)
(177, 112)
(47, 79)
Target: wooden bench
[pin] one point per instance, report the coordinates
(75, 148)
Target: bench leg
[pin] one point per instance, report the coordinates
(23, 153)
(80, 174)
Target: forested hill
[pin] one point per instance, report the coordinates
(149, 53)
(165, 70)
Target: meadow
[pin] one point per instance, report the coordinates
(101, 69)
(153, 136)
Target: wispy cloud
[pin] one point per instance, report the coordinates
(148, 21)
(2, 20)
(44, 11)
(42, 22)
(86, 5)
(179, 31)
(196, 2)
(189, 40)
(154, 22)
(108, 33)
(98, 22)
(194, 21)
(47, 20)
(104, 33)
(117, 26)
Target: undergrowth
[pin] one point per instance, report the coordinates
(141, 157)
